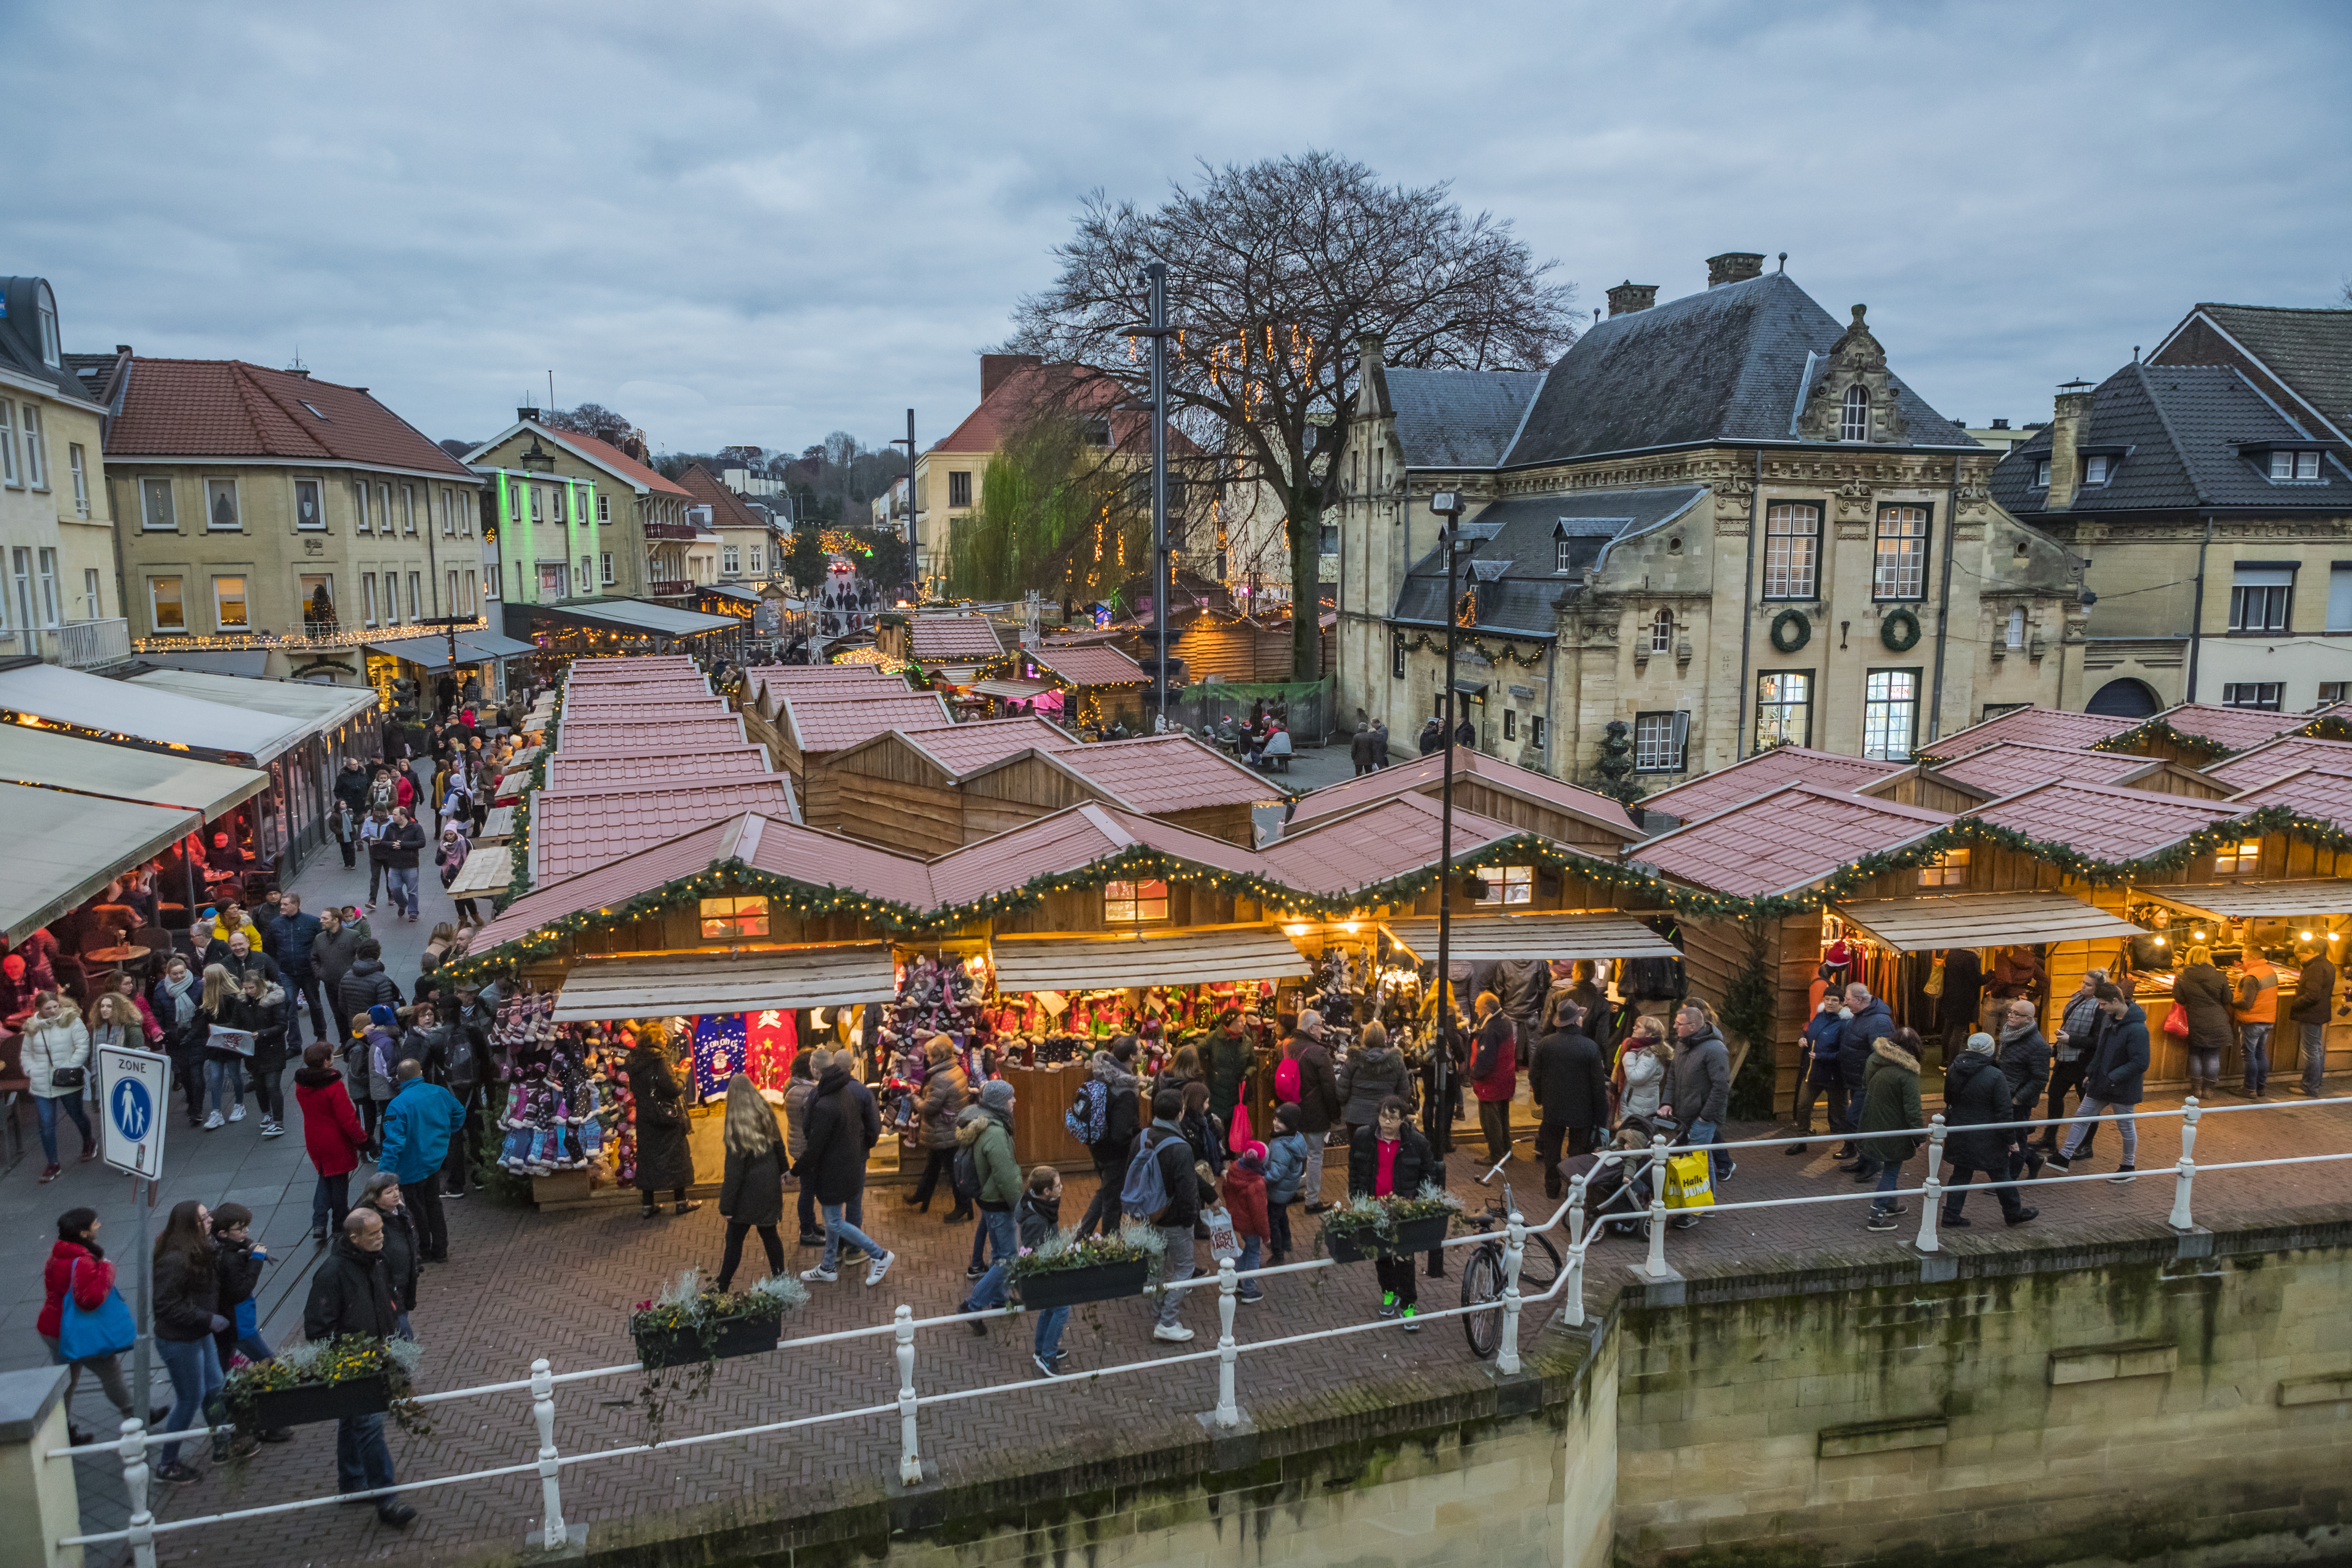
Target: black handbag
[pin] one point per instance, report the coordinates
(59, 1077)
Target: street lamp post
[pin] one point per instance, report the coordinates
(1437, 1121)
(914, 545)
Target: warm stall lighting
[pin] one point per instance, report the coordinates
(1293, 930)
(2306, 936)
(1351, 927)
(2198, 935)
(2159, 941)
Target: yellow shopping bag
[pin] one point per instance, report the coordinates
(1690, 1183)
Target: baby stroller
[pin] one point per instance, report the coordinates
(1617, 1193)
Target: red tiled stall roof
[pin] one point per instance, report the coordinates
(829, 860)
(2007, 766)
(1780, 842)
(679, 765)
(573, 831)
(1762, 773)
(967, 749)
(1424, 774)
(1386, 839)
(2313, 791)
(651, 703)
(2103, 821)
(830, 723)
(2230, 729)
(609, 740)
(1157, 774)
(228, 408)
(1090, 666)
(2032, 726)
(608, 885)
(635, 667)
(953, 639)
(2276, 759)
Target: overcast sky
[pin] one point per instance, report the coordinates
(763, 222)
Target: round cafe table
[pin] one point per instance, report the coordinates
(116, 955)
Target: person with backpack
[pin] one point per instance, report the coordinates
(1495, 1074)
(1113, 1139)
(1161, 1191)
(1246, 1202)
(946, 1092)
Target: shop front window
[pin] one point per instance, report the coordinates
(1134, 901)
(1948, 869)
(727, 920)
(1509, 884)
(2238, 860)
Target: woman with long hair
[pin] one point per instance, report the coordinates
(224, 1090)
(946, 1092)
(56, 1054)
(78, 1267)
(187, 1315)
(751, 1194)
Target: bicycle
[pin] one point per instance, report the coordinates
(1484, 1275)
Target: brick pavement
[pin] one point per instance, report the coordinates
(522, 1284)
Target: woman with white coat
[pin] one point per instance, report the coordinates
(57, 1060)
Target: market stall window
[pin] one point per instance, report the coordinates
(725, 919)
(2236, 859)
(1509, 884)
(1135, 901)
(1949, 869)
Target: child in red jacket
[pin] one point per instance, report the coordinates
(1245, 1201)
(331, 1135)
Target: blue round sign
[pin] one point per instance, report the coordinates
(131, 1108)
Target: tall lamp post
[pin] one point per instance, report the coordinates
(914, 545)
(1437, 1119)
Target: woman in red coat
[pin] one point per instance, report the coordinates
(78, 1263)
(331, 1135)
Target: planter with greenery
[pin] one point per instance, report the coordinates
(1394, 1226)
(690, 1322)
(304, 1383)
(1065, 1271)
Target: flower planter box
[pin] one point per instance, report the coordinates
(1412, 1236)
(306, 1403)
(1069, 1287)
(737, 1336)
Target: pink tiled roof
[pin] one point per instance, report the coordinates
(2034, 726)
(1068, 840)
(1780, 842)
(2103, 821)
(953, 639)
(2273, 759)
(1387, 839)
(1761, 774)
(228, 408)
(1090, 666)
(2007, 766)
(618, 739)
(1156, 774)
(829, 860)
(607, 885)
(2312, 790)
(834, 724)
(609, 707)
(695, 765)
(968, 748)
(2231, 729)
(632, 667)
(573, 831)
(1426, 774)
(727, 508)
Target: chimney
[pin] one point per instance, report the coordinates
(1631, 295)
(996, 368)
(526, 414)
(2000, 424)
(1734, 267)
(2068, 426)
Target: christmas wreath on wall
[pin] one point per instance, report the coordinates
(1790, 631)
(1899, 630)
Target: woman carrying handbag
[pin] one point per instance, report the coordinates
(56, 1059)
(84, 1321)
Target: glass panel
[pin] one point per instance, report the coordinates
(228, 602)
(1902, 563)
(163, 598)
(1791, 549)
(1135, 900)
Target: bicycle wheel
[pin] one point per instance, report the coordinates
(1482, 1286)
(1539, 1265)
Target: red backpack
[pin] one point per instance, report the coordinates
(1286, 1080)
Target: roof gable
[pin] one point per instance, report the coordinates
(727, 508)
(1761, 774)
(228, 408)
(2308, 352)
(2033, 726)
(588, 449)
(2286, 754)
(1424, 774)
(1459, 419)
(1780, 842)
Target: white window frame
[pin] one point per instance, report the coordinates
(730, 560)
(383, 510)
(45, 306)
(473, 602)
(1787, 569)
(155, 604)
(318, 490)
(2339, 597)
(538, 504)
(1508, 885)
(36, 451)
(359, 502)
(1662, 630)
(448, 515)
(587, 578)
(453, 591)
(149, 488)
(605, 563)
(2267, 592)
(1890, 715)
(23, 556)
(78, 462)
(408, 509)
(1900, 575)
(215, 489)
(1854, 414)
(1783, 705)
(604, 507)
(52, 607)
(2097, 469)
(493, 578)
(1654, 751)
(2262, 695)
(93, 591)
(367, 596)
(1562, 557)
(244, 599)
(9, 445)
(2041, 473)
(303, 610)
(416, 595)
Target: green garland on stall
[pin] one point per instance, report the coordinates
(518, 843)
(2324, 727)
(1505, 654)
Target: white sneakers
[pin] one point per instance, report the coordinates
(237, 1111)
(1175, 1333)
(820, 1275)
(272, 1130)
(215, 1119)
(880, 1266)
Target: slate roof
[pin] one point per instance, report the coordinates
(1517, 542)
(953, 639)
(1780, 842)
(1761, 774)
(228, 408)
(1729, 363)
(1423, 775)
(20, 342)
(573, 831)
(2031, 726)
(2275, 759)
(1458, 418)
(2310, 351)
(834, 724)
(2171, 429)
(694, 765)
(1089, 665)
(2232, 730)
(2313, 790)
(2104, 821)
(2008, 767)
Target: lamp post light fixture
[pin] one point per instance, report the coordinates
(1437, 1119)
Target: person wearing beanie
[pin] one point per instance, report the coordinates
(1245, 1203)
(1319, 1103)
(1287, 1161)
(1975, 1095)
(1114, 1069)
(1000, 1185)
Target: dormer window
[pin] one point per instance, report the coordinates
(45, 306)
(2290, 466)
(309, 408)
(1560, 561)
(2096, 470)
(2042, 475)
(1854, 421)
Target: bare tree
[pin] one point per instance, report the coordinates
(741, 456)
(591, 419)
(1277, 270)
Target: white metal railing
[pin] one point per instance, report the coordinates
(550, 1462)
(78, 645)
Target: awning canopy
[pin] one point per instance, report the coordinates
(63, 848)
(139, 710)
(1011, 690)
(1938, 920)
(320, 709)
(727, 983)
(246, 661)
(2259, 900)
(1482, 939)
(1178, 958)
(432, 653)
(46, 758)
(632, 615)
(489, 869)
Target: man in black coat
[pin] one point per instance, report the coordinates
(1320, 1102)
(2315, 1003)
(833, 1160)
(1976, 1094)
(352, 1294)
(2114, 1082)
(1570, 1088)
(293, 936)
(1864, 1019)
(2024, 1058)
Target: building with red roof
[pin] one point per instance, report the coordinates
(751, 547)
(578, 517)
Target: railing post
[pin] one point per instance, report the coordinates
(1571, 1309)
(910, 1455)
(1657, 1260)
(1514, 1252)
(553, 1533)
(1931, 1200)
(2187, 1176)
(134, 1485)
(1228, 1413)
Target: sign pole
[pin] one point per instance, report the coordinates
(142, 1194)
(134, 1098)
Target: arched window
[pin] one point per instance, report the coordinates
(1662, 632)
(1856, 424)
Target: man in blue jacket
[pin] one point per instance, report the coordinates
(290, 937)
(417, 1126)
(1865, 1019)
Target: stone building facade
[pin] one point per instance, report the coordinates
(1723, 520)
(60, 591)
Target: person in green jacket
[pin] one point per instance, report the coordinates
(1000, 1180)
(1890, 1108)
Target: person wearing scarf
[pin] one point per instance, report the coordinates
(176, 998)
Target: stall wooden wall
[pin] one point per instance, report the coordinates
(1021, 791)
(1472, 795)
(1927, 790)
(1716, 955)
(2176, 778)
(890, 794)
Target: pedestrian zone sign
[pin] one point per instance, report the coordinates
(136, 1086)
